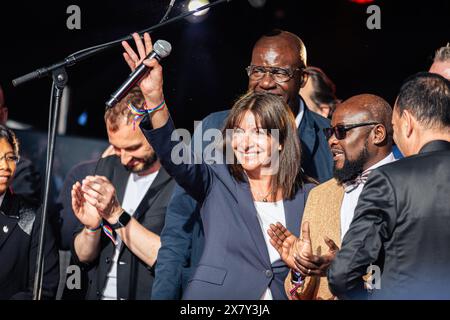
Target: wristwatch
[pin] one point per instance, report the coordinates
(122, 222)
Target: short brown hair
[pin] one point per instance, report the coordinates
(121, 112)
(272, 113)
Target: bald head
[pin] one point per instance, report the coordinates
(287, 40)
(372, 108)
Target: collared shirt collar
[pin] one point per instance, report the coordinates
(301, 111)
(390, 158)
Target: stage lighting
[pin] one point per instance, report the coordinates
(195, 4)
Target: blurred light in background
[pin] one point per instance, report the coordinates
(362, 1)
(82, 119)
(195, 4)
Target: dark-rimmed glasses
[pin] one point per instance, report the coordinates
(10, 158)
(279, 75)
(340, 130)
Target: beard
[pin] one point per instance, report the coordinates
(351, 169)
(146, 164)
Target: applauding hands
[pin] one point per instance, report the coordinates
(297, 252)
(95, 199)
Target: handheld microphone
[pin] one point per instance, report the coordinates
(161, 49)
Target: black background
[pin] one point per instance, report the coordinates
(205, 71)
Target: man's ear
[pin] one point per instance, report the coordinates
(408, 123)
(303, 78)
(380, 134)
(325, 109)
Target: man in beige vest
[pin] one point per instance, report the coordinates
(361, 140)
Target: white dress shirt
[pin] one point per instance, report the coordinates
(351, 198)
(301, 112)
(270, 212)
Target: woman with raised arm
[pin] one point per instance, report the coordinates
(260, 183)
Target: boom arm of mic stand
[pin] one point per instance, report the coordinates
(58, 73)
(88, 52)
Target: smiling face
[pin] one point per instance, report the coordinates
(251, 144)
(277, 52)
(130, 145)
(7, 165)
(351, 154)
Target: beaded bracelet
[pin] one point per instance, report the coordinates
(106, 229)
(297, 280)
(139, 113)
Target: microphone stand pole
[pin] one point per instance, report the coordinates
(59, 76)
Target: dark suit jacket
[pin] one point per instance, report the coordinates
(182, 238)
(19, 238)
(27, 181)
(401, 224)
(134, 277)
(235, 263)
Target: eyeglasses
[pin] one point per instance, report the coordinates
(340, 130)
(10, 158)
(280, 75)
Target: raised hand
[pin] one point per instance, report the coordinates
(283, 241)
(100, 193)
(152, 84)
(314, 265)
(85, 212)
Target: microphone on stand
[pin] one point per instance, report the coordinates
(161, 49)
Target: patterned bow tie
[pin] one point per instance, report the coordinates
(349, 186)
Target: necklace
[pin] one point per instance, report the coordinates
(264, 197)
(260, 195)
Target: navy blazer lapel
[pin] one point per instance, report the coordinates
(249, 214)
(307, 130)
(293, 210)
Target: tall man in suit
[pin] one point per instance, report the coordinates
(361, 140)
(122, 210)
(277, 66)
(402, 220)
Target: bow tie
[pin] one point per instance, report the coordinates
(349, 186)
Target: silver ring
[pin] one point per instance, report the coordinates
(309, 271)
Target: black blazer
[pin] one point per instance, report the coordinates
(19, 238)
(401, 224)
(235, 263)
(134, 277)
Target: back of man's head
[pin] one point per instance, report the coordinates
(441, 62)
(427, 97)
(319, 92)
